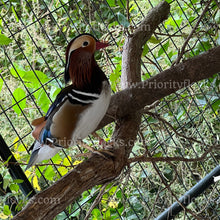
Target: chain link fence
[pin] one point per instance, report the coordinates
(184, 125)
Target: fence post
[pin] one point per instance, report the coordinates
(15, 170)
(195, 191)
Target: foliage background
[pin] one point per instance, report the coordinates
(33, 37)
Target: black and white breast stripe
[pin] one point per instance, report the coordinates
(75, 97)
(83, 98)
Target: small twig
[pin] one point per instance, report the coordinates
(208, 200)
(169, 35)
(127, 9)
(89, 7)
(96, 201)
(153, 105)
(167, 186)
(155, 64)
(40, 165)
(155, 115)
(154, 204)
(125, 184)
(7, 11)
(107, 59)
(144, 158)
(191, 34)
(217, 3)
(183, 207)
(190, 102)
(207, 32)
(188, 5)
(174, 179)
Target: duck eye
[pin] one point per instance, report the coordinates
(85, 43)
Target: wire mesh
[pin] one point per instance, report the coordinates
(40, 31)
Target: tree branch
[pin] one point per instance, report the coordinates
(124, 106)
(97, 170)
(191, 34)
(140, 94)
(144, 158)
(133, 46)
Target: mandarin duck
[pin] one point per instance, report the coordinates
(79, 107)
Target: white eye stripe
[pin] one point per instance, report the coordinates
(72, 48)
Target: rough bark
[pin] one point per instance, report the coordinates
(124, 106)
(133, 46)
(146, 92)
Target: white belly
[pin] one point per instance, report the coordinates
(91, 117)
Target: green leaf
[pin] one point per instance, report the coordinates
(67, 161)
(42, 99)
(112, 24)
(39, 171)
(1, 84)
(137, 147)
(159, 154)
(145, 50)
(216, 105)
(17, 70)
(54, 92)
(4, 40)
(107, 214)
(18, 181)
(96, 214)
(8, 159)
(119, 194)
(168, 173)
(35, 77)
(111, 3)
(62, 170)
(49, 173)
(154, 40)
(180, 114)
(120, 210)
(114, 77)
(218, 41)
(57, 159)
(18, 95)
(122, 20)
(121, 3)
(112, 190)
(6, 182)
(163, 49)
(15, 14)
(21, 148)
(6, 210)
(173, 22)
(217, 17)
(14, 187)
(201, 101)
(75, 213)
